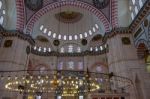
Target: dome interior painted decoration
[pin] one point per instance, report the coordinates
(74, 49)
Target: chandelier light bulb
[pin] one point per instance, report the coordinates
(47, 77)
(9, 78)
(71, 83)
(69, 77)
(16, 77)
(39, 77)
(23, 77)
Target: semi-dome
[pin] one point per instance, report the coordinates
(74, 49)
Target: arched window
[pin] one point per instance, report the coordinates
(45, 30)
(44, 49)
(142, 51)
(132, 16)
(62, 50)
(2, 13)
(91, 49)
(81, 36)
(85, 34)
(40, 49)
(136, 10)
(101, 48)
(54, 35)
(59, 36)
(133, 1)
(49, 33)
(1, 20)
(90, 32)
(70, 48)
(41, 27)
(80, 65)
(96, 26)
(96, 49)
(99, 69)
(65, 37)
(75, 37)
(49, 49)
(60, 65)
(94, 30)
(78, 49)
(70, 37)
(143, 54)
(71, 65)
(140, 3)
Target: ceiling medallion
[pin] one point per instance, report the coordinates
(126, 40)
(84, 42)
(34, 4)
(56, 42)
(68, 16)
(101, 4)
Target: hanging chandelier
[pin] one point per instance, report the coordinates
(64, 83)
(61, 82)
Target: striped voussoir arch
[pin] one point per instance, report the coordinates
(20, 15)
(114, 13)
(78, 4)
(142, 50)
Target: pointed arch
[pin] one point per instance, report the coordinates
(142, 51)
(20, 15)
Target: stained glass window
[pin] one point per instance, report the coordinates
(71, 65)
(70, 48)
(80, 65)
(60, 65)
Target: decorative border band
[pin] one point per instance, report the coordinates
(20, 15)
